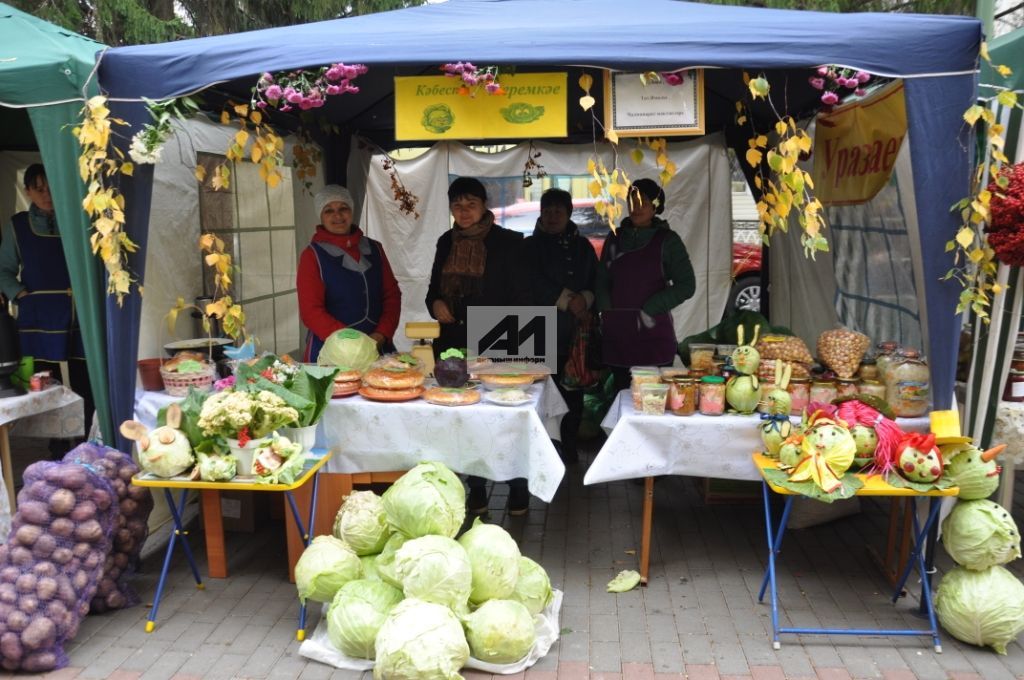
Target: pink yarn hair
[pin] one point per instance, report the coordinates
(888, 432)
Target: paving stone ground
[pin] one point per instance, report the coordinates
(698, 618)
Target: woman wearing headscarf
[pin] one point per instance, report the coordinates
(563, 266)
(344, 279)
(645, 272)
(477, 263)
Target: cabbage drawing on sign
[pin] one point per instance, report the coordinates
(438, 118)
(521, 113)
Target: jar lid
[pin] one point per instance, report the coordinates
(825, 383)
(846, 381)
(799, 380)
(870, 382)
(682, 379)
(714, 379)
(887, 346)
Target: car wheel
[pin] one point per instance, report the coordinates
(745, 294)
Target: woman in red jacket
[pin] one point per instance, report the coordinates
(344, 279)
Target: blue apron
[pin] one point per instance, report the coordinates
(47, 327)
(352, 290)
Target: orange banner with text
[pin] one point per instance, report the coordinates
(855, 147)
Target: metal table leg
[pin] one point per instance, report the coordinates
(177, 511)
(307, 538)
(774, 546)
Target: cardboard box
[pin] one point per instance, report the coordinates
(243, 510)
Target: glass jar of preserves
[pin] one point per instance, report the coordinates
(846, 387)
(652, 398)
(823, 391)
(868, 370)
(884, 353)
(1014, 390)
(702, 357)
(800, 394)
(873, 388)
(907, 385)
(712, 395)
(682, 396)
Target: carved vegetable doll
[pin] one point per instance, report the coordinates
(743, 391)
(775, 407)
(973, 471)
(918, 458)
(827, 449)
(875, 434)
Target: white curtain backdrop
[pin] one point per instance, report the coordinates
(698, 207)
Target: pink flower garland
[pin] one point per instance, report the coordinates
(304, 89)
(837, 83)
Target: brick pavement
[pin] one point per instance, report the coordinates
(698, 618)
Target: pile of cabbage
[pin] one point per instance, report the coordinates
(979, 601)
(404, 593)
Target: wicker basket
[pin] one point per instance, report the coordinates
(177, 384)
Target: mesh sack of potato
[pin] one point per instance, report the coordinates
(785, 347)
(766, 371)
(841, 350)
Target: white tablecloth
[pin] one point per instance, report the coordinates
(490, 441)
(55, 412)
(704, 446)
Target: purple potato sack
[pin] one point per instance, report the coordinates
(132, 527)
(53, 561)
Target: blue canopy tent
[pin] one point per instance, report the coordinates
(937, 55)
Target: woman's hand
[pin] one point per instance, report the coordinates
(378, 338)
(441, 312)
(578, 306)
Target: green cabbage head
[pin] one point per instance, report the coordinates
(369, 563)
(500, 631)
(429, 499)
(385, 562)
(981, 607)
(356, 614)
(533, 589)
(362, 524)
(349, 349)
(980, 534)
(420, 641)
(435, 569)
(975, 478)
(494, 556)
(213, 468)
(326, 565)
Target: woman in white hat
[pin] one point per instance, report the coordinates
(344, 279)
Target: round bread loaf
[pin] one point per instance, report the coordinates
(393, 379)
(451, 396)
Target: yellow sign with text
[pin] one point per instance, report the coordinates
(531, 105)
(855, 147)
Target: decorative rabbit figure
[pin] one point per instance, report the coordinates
(776, 405)
(165, 451)
(742, 391)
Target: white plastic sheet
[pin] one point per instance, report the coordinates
(319, 648)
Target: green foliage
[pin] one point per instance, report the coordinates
(133, 22)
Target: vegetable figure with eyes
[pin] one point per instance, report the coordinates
(827, 452)
(743, 392)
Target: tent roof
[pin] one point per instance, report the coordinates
(40, 62)
(651, 34)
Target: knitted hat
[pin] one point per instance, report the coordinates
(329, 194)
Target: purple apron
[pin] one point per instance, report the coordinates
(627, 340)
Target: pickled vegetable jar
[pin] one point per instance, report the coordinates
(800, 394)
(823, 391)
(712, 395)
(682, 396)
(907, 385)
(846, 387)
(702, 357)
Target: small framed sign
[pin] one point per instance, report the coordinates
(633, 109)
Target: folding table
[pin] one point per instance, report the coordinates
(873, 486)
(315, 460)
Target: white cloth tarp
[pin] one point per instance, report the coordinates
(868, 282)
(718, 447)
(319, 648)
(698, 206)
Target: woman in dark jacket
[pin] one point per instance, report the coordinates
(563, 268)
(477, 263)
(645, 272)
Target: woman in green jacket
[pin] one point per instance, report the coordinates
(645, 272)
